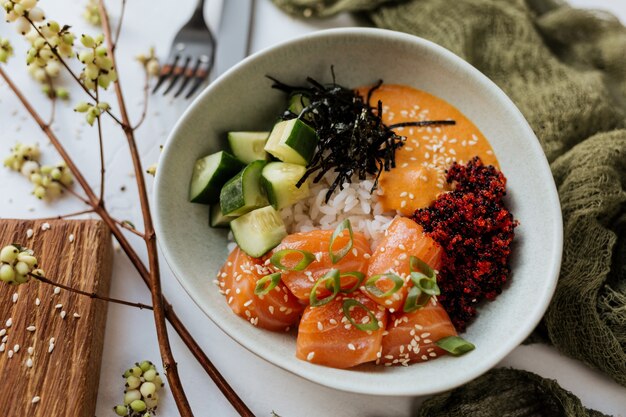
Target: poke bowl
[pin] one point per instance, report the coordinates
(364, 209)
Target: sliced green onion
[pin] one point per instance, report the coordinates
(415, 299)
(455, 345)
(425, 284)
(333, 276)
(351, 302)
(417, 265)
(338, 255)
(371, 287)
(277, 259)
(358, 275)
(262, 286)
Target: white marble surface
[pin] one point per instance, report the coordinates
(129, 333)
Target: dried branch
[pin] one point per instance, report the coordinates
(90, 294)
(146, 95)
(119, 25)
(167, 357)
(65, 216)
(130, 228)
(101, 146)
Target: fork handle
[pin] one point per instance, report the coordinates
(198, 13)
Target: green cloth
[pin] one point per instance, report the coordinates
(566, 70)
(519, 394)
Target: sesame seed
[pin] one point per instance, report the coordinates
(402, 256)
(45, 226)
(4, 339)
(15, 296)
(403, 194)
(382, 248)
(3, 332)
(2, 347)
(57, 290)
(16, 348)
(425, 334)
(282, 309)
(388, 302)
(348, 326)
(367, 255)
(432, 354)
(271, 309)
(35, 399)
(401, 246)
(52, 340)
(237, 290)
(351, 346)
(320, 326)
(248, 313)
(71, 238)
(9, 322)
(427, 341)
(424, 357)
(310, 356)
(29, 362)
(58, 306)
(31, 350)
(403, 204)
(50, 347)
(31, 328)
(355, 252)
(10, 353)
(29, 233)
(247, 303)
(230, 299)
(332, 321)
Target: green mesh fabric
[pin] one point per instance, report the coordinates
(518, 394)
(566, 70)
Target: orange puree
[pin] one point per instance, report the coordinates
(421, 163)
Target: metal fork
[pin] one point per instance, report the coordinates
(191, 55)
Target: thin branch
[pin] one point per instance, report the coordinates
(67, 67)
(75, 194)
(133, 256)
(146, 95)
(167, 357)
(101, 146)
(65, 216)
(119, 26)
(128, 227)
(90, 294)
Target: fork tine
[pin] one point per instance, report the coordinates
(189, 73)
(178, 71)
(166, 71)
(202, 73)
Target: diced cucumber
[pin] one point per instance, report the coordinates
(216, 218)
(243, 192)
(259, 231)
(292, 141)
(297, 103)
(210, 174)
(279, 180)
(248, 146)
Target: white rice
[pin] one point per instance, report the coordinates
(354, 202)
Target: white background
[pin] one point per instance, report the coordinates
(129, 333)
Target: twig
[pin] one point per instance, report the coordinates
(146, 95)
(90, 294)
(119, 26)
(65, 216)
(167, 357)
(101, 145)
(128, 227)
(133, 256)
(67, 67)
(75, 194)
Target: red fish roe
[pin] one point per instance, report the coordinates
(475, 229)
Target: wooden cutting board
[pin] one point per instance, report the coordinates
(65, 370)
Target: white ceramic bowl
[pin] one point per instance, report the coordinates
(242, 100)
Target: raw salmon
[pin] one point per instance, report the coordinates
(326, 337)
(276, 310)
(404, 238)
(300, 283)
(411, 337)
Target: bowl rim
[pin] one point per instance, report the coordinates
(507, 346)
